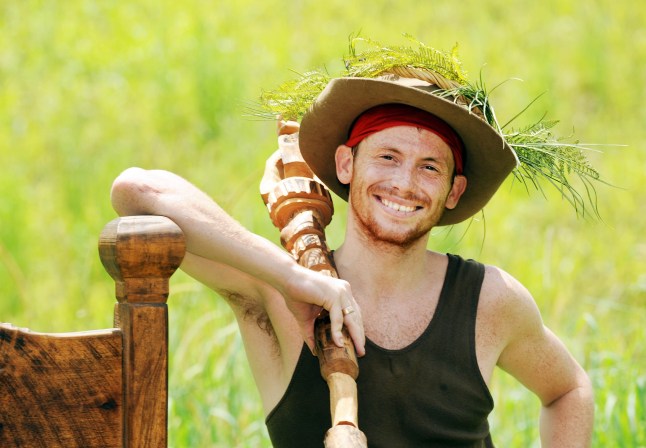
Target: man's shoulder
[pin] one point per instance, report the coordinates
(497, 280)
(506, 303)
(503, 292)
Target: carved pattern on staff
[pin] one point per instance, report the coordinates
(294, 194)
(301, 207)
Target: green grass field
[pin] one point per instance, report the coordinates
(89, 88)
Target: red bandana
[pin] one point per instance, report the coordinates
(390, 115)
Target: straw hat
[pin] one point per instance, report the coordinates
(327, 124)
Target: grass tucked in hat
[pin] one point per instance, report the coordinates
(541, 155)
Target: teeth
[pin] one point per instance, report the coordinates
(398, 207)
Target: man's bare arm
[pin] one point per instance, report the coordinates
(567, 421)
(214, 235)
(540, 361)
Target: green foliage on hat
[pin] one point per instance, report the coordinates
(542, 155)
(378, 59)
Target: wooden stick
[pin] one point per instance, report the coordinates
(301, 206)
(343, 393)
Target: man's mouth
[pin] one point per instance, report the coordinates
(397, 207)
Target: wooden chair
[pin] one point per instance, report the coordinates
(103, 388)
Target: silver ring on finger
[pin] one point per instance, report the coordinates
(347, 310)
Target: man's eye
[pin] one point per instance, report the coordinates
(430, 168)
(387, 157)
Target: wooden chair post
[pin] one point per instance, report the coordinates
(141, 253)
(100, 388)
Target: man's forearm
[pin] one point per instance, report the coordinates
(210, 232)
(568, 421)
(214, 235)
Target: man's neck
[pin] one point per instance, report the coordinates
(379, 269)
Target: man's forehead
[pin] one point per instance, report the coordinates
(410, 141)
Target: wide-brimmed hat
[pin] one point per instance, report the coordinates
(433, 81)
(326, 125)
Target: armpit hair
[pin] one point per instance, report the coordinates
(250, 311)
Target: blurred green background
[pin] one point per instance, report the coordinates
(89, 88)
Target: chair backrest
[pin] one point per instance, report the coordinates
(103, 388)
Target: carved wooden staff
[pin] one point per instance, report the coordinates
(301, 207)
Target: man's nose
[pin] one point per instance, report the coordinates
(404, 179)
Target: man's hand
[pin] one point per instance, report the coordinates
(308, 292)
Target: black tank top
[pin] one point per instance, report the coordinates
(429, 394)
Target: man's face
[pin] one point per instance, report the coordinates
(400, 184)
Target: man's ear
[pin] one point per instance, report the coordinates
(344, 161)
(458, 187)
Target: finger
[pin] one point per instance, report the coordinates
(336, 324)
(354, 324)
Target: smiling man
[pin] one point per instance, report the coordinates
(429, 327)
